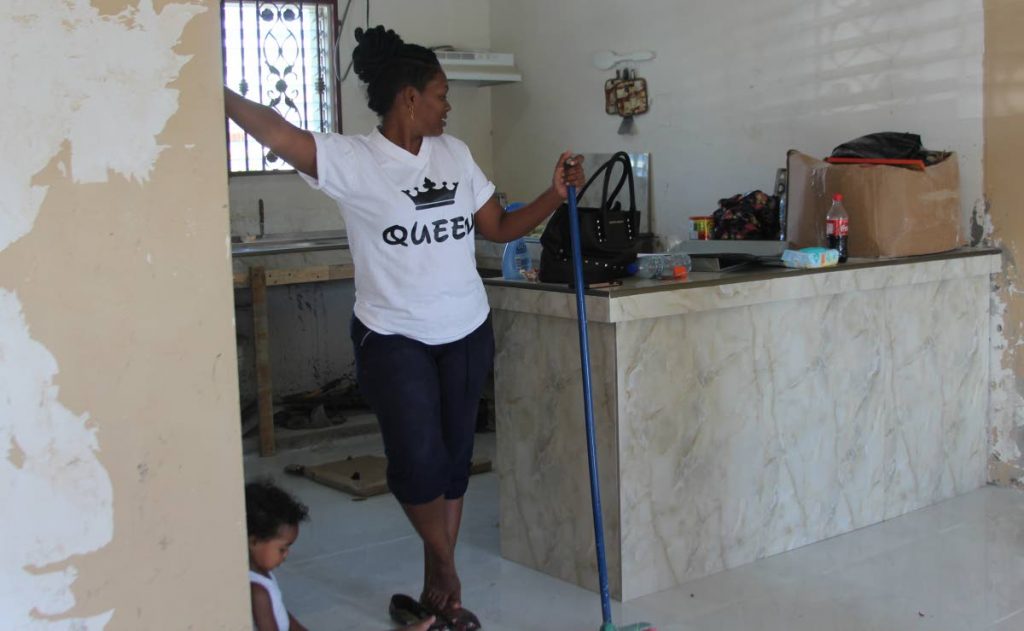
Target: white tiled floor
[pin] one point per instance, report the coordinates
(955, 566)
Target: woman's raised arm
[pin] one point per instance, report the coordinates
(293, 145)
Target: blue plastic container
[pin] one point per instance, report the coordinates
(517, 256)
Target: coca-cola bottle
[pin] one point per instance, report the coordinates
(837, 226)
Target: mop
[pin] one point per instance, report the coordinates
(588, 411)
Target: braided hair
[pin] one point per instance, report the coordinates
(387, 64)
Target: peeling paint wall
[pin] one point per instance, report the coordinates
(120, 455)
(1004, 225)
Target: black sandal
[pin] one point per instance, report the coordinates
(463, 619)
(460, 619)
(405, 610)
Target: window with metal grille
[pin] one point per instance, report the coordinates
(279, 54)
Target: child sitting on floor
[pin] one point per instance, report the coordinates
(272, 518)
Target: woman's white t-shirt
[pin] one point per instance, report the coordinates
(410, 224)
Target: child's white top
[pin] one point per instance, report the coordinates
(276, 600)
(410, 224)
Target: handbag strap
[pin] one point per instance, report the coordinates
(620, 157)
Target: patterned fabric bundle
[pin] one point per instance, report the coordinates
(751, 216)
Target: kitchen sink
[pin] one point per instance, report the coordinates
(283, 243)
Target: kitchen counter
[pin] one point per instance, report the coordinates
(755, 282)
(739, 414)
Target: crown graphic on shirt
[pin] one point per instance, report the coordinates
(430, 195)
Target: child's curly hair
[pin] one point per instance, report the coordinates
(268, 507)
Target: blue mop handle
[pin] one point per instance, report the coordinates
(588, 404)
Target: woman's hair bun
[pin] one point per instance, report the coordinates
(386, 65)
(375, 47)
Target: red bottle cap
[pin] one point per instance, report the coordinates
(838, 197)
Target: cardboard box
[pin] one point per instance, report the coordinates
(894, 211)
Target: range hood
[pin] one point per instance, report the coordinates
(479, 67)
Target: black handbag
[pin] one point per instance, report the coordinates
(609, 235)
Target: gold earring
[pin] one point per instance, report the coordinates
(412, 114)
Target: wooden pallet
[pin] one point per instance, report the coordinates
(363, 476)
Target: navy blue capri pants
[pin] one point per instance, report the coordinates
(426, 399)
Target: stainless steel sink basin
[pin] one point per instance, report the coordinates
(284, 243)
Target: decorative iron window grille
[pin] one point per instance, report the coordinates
(279, 54)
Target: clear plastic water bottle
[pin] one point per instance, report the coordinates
(670, 266)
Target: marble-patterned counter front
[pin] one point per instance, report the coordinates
(738, 416)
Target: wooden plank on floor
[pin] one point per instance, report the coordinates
(261, 341)
(364, 476)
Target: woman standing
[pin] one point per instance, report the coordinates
(411, 198)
